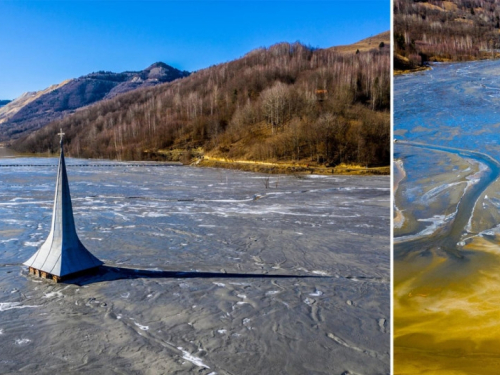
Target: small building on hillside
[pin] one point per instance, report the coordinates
(321, 95)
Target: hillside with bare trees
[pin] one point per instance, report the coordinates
(287, 102)
(455, 30)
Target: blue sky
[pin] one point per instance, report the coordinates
(46, 42)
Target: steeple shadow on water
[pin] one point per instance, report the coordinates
(109, 273)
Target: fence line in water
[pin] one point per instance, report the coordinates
(89, 165)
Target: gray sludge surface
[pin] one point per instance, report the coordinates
(206, 272)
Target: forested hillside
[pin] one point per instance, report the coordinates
(444, 30)
(286, 102)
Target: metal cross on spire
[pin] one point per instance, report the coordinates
(61, 134)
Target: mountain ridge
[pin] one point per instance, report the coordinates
(33, 110)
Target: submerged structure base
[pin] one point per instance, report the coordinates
(58, 279)
(44, 275)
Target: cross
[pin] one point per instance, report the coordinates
(61, 135)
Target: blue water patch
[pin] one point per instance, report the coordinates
(454, 105)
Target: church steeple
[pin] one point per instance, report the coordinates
(62, 253)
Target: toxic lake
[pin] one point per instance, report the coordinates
(446, 221)
(206, 271)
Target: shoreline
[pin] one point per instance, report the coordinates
(244, 165)
(6, 152)
(289, 168)
(400, 72)
(410, 71)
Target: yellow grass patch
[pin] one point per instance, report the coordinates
(448, 5)
(365, 44)
(461, 20)
(431, 6)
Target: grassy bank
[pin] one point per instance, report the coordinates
(198, 159)
(289, 168)
(400, 69)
